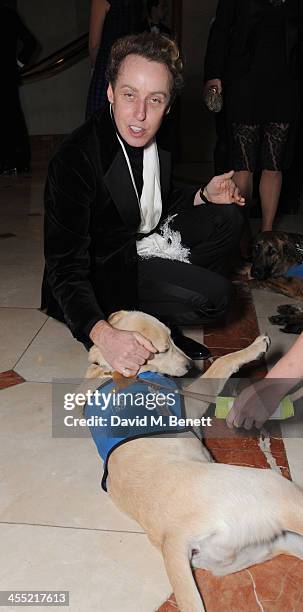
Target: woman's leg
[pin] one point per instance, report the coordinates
(245, 146)
(244, 180)
(275, 137)
(270, 189)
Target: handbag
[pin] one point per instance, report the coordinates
(213, 100)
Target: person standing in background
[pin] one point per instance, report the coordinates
(14, 140)
(254, 57)
(109, 20)
(155, 14)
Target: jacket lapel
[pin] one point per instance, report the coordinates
(165, 173)
(120, 186)
(116, 175)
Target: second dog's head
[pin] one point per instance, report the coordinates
(168, 360)
(273, 253)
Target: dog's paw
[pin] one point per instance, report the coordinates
(261, 344)
(278, 320)
(289, 309)
(292, 328)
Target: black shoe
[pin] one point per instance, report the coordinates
(191, 348)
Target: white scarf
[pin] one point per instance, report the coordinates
(166, 244)
(150, 202)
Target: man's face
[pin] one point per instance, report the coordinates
(140, 99)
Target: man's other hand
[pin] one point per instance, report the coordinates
(223, 190)
(125, 351)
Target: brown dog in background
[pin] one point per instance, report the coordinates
(273, 253)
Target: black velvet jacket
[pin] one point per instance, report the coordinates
(231, 38)
(91, 223)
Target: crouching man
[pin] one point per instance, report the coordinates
(119, 233)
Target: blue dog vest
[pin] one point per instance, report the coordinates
(138, 410)
(296, 271)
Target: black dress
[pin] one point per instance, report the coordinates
(124, 17)
(261, 85)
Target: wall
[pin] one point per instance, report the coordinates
(56, 105)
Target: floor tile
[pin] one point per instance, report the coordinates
(54, 353)
(240, 327)
(10, 379)
(266, 302)
(21, 251)
(275, 586)
(295, 465)
(18, 326)
(46, 477)
(102, 571)
(21, 285)
(292, 431)
(290, 223)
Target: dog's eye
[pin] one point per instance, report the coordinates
(256, 248)
(271, 250)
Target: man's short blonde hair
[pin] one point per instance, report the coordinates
(153, 47)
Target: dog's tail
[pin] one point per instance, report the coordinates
(176, 554)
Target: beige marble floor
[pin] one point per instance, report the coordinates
(58, 529)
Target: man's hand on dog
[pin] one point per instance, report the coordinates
(255, 404)
(125, 351)
(223, 190)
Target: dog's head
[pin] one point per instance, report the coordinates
(273, 253)
(168, 360)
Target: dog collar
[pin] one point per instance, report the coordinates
(122, 382)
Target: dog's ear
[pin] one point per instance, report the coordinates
(95, 355)
(115, 317)
(159, 336)
(289, 250)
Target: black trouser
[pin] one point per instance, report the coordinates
(196, 293)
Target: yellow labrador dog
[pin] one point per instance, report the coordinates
(222, 518)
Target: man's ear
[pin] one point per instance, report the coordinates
(110, 94)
